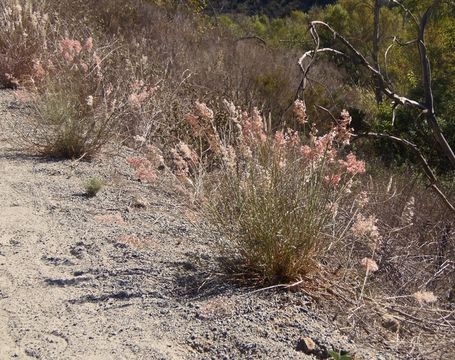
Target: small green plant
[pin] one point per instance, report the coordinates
(93, 186)
(341, 355)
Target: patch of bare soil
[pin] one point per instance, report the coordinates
(114, 277)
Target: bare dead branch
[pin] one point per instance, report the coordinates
(383, 84)
(328, 112)
(252, 37)
(317, 51)
(395, 40)
(376, 73)
(407, 11)
(375, 53)
(427, 88)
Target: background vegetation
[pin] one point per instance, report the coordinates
(271, 8)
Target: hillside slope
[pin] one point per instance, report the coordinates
(107, 278)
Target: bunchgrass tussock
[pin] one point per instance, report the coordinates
(276, 192)
(76, 111)
(27, 30)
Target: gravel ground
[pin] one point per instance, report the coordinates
(130, 273)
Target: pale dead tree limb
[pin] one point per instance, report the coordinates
(407, 12)
(395, 40)
(305, 71)
(427, 107)
(311, 54)
(429, 110)
(428, 91)
(434, 183)
(375, 53)
(306, 68)
(386, 88)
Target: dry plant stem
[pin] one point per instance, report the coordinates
(285, 286)
(367, 273)
(424, 163)
(380, 308)
(375, 53)
(252, 37)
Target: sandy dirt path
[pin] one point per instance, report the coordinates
(53, 274)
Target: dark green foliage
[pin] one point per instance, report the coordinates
(272, 8)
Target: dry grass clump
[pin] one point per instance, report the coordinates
(399, 233)
(76, 104)
(190, 58)
(127, 70)
(277, 192)
(148, 62)
(286, 201)
(394, 261)
(78, 110)
(414, 251)
(26, 32)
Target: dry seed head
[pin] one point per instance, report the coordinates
(362, 199)
(407, 216)
(203, 110)
(18, 8)
(300, 111)
(389, 185)
(425, 297)
(89, 100)
(366, 227)
(369, 264)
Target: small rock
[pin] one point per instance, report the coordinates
(52, 205)
(390, 323)
(307, 345)
(139, 202)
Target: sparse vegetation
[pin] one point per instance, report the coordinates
(218, 103)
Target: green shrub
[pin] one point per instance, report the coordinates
(93, 186)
